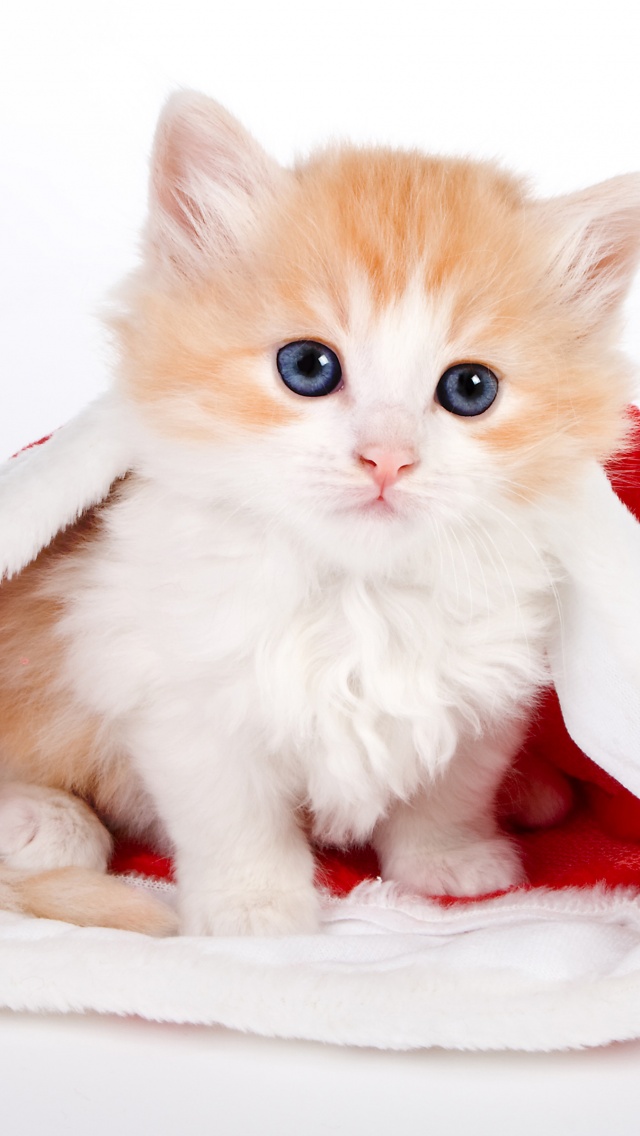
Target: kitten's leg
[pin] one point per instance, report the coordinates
(43, 828)
(534, 793)
(446, 841)
(243, 865)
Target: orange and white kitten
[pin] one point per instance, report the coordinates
(319, 603)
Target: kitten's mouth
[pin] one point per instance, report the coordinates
(385, 505)
(382, 502)
(379, 506)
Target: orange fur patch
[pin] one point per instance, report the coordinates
(397, 215)
(46, 736)
(191, 361)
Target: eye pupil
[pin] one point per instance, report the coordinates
(309, 368)
(311, 364)
(467, 389)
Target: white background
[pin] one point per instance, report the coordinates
(553, 90)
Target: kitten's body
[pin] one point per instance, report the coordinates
(253, 637)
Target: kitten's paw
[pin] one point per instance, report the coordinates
(535, 794)
(295, 912)
(42, 829)
(478, 868)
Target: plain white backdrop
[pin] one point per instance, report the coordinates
(553, 90)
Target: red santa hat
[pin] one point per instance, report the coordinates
(551, 965)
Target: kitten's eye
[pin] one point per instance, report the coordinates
(309, 368)
(467, 389)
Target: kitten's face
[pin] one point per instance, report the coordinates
(301, 333)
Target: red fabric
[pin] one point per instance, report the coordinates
(597, 842)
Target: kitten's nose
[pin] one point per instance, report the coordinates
(386, 466)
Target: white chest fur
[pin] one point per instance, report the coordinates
(353, 689)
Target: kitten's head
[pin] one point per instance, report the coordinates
(374, 341)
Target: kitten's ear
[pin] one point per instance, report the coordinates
(596, 245)
(209, 182)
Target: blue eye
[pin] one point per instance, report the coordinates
(467, 389)
(309, 368)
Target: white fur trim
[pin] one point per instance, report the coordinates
(531, 970)
(47, 487)
(595, 658)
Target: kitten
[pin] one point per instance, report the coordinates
(319, 603)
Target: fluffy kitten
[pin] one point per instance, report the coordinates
(319, 603)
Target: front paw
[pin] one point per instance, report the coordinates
(478, 868)
(255, 912)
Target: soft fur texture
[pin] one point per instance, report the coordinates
(40, 490)
(255, 638)
(532, 971)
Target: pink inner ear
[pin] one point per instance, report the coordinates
(167, 178)
(601, 226)
(617, 263)
(187, 154)
(206, 173)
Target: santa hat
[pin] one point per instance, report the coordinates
(551, 965)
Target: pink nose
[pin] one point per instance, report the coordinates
(386, 466)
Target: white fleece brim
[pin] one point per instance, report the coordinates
(530, 970)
